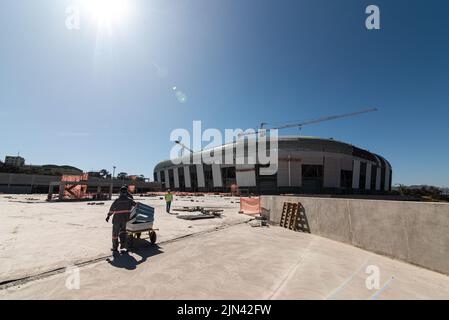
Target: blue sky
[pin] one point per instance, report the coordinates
(95, 99)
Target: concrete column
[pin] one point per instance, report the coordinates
(167, 179)
(289, 172)
(187, 177)
(32, 183)
(61, 190)
(368, 176)
(200, 176)
(332, 172)
(356, 175)
(387, 178)
(158, 176)
(296, 171)
(216, 175)
(176, 177)
(378, 178)
(283, 178)
(245, 175)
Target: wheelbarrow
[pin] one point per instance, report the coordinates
(141, 221)
(132, 235)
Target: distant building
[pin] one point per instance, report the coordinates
(14, 161)
(137, 178)
(94, 174)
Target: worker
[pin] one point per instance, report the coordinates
(168, 200)
(120, 209)
(127, 191)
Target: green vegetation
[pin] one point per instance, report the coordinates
(49, 169)
(425, 193)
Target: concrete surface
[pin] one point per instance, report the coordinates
(242, 262)
(36, 236)
(209, 259)
(415, 232)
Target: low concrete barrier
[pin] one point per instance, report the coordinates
(415, 232)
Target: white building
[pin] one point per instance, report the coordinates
(305, 165)
(14, 161)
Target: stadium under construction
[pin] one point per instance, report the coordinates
(307, 165)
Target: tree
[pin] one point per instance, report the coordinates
(104, 173)
(122, 175)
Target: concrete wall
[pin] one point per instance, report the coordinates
(415, 232)
(24, 183)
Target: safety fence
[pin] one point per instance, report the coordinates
(250, 206)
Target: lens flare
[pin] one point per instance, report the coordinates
(108, 11)
(181, 96)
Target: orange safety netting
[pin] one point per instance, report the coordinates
(250, 205)
(68, 178)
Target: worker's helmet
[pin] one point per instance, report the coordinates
(168, 190)
(124, 189)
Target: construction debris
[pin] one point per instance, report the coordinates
(203, 210)
(204, 213)
(197, 216)
(258, 221)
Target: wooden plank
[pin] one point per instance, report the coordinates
(284, 214)
(291, 216)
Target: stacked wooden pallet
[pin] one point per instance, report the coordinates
(293, 217)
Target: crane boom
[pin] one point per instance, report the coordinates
(183, 146)
(322, 119)
(346, 115)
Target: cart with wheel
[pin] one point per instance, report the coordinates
(141, 221)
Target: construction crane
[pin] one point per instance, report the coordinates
(299, 125)
(183, 146)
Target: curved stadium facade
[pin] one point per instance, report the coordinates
(305, 165)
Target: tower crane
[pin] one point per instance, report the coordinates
(183, 146)
(301, 124)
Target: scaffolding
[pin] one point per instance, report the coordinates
(75, 188)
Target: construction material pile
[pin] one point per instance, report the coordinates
(141, 218)
(202, 213)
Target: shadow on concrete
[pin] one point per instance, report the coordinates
(127, 260)
(265, 213)
(302, 223)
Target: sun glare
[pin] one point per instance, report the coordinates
(108, 11)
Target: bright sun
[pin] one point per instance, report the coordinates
(108, 11)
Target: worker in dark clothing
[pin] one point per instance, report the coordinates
(127, 191)
(120, 209)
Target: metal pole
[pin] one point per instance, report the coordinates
(111, 188)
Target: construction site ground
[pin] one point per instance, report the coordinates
(221, 258)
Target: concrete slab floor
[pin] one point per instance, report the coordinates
(242, 262)
(37, 236)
